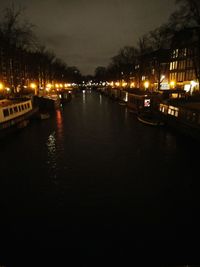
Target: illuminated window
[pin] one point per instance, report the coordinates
(173, 65)
(175, 53)
(180, 76)
(182, 64)
(172, 76)
(147, 103)
(190, 75)
(173, 111)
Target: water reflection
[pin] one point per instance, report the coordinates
(59, 122)
(51, 146)
(84, 97)
(126, 114)
(100, 99)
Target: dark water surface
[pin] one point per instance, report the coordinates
(93, 185)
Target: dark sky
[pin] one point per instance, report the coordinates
(87, 33)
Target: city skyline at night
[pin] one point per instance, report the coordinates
(85, 33)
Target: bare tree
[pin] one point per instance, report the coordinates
(16, 36)
(124, 62)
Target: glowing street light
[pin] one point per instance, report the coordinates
(193, 84)
(1, 86)
(49, 85)
(162, 78)
(172, 84)
(111, 83)
(146, 84)
(33, 85)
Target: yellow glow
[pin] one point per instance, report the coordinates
(33, 85)
(172, 84)
(126, 97)
(1, 86)
(61, 85)
(49, 85)
(124, 84)
(146, 84)
(117, 84)
(193, 83)
(57, 85)
(112, 83)
(187, 87)
(132, 85)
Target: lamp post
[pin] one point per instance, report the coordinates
(34, 87)
(146, 85)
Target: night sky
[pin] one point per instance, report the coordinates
(87, 33)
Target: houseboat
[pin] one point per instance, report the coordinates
(183, 116)
(48, 103)
(15, 114)
(138, 101)
(150, 118)
(123, 97)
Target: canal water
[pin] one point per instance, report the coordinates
(92, 184)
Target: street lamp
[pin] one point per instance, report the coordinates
(1, 86)
(34, 87)
(172, 84)
(146, 85)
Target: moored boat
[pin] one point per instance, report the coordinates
(150, 118)
(15, 114)
(183, 116)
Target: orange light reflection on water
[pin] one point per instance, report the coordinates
(59, 120)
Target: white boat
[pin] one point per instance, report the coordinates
(15, 113)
